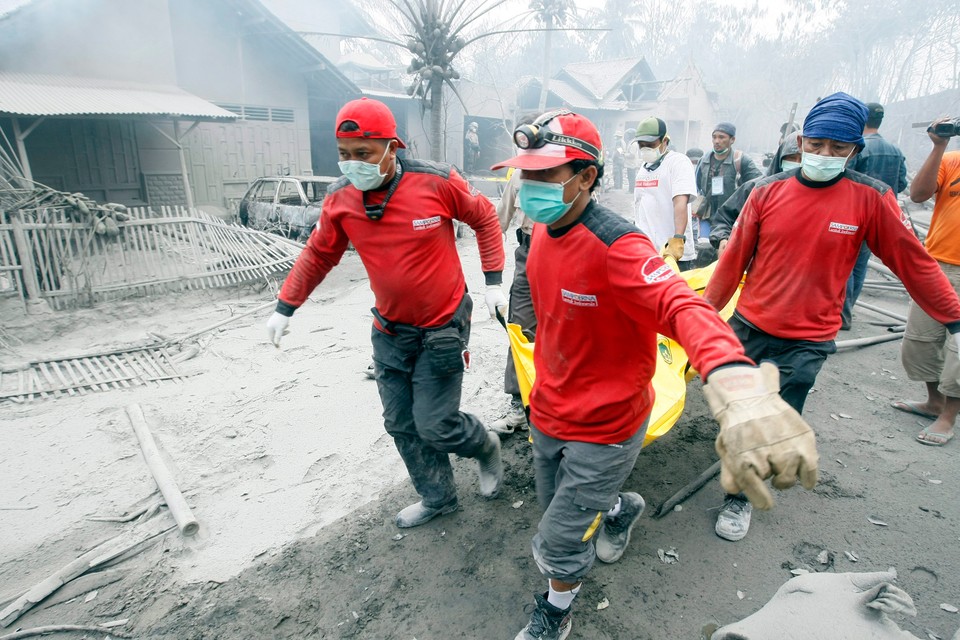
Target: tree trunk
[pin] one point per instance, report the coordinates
(436, 121)
(545, 80)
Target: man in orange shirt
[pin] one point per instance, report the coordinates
(928, 353)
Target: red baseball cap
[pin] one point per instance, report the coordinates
(374, 119)
(567, 136)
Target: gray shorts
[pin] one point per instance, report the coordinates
(928, 353)
(577, 483)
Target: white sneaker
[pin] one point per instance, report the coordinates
(733, 521)
(516, 418)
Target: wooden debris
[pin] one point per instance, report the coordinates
(695, 485)
(98, 556)
(59, 628)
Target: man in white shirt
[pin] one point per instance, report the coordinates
(663, 189)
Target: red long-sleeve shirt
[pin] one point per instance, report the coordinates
(601, 294)
(410, 254)
(798, 241)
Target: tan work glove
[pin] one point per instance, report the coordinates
(760, 434)
(674, 247)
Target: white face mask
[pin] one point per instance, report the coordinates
(823, 168)
(364, 175)
(789, 165)
(649, 155)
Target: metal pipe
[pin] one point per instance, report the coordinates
(863, 342)
(883, 312)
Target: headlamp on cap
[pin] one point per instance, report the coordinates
(536, 135)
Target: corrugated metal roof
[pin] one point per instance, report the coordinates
(46, 95)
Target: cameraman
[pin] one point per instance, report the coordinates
(928, 353)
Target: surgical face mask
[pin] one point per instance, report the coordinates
(823, 168)
(543, 201)
(649, 155)
(364, 175)
(789, 165)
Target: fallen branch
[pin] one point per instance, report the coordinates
(688, 490)
(57, 628)
(217, 325)
(168, 486)
(99, 555)
(129, 516)
(84, 584)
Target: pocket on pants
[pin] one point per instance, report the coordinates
(443, 349)
(596, 500)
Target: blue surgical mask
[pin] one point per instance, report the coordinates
(543, 201)
(789, 165)
(364, 175)
(823, 168)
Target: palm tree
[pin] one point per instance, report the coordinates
(551, 13)
(437, 31)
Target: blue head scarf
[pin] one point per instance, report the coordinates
(837, 117)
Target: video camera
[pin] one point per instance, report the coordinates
(946, 129)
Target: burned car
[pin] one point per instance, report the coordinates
(287, 204)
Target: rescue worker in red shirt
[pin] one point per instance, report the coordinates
(798, 237)
(601, 293)
(399, 216)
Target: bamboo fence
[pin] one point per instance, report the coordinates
(46, 254)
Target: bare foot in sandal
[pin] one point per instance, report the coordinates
(937, 434)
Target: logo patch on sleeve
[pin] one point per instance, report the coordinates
(655, 270)
(427, 223)
(905, 220)
(579, 299)
(843, 229)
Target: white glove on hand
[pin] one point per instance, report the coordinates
(760, 434)
(496, 300)
(276, 327)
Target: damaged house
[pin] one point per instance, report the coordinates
(164, 102)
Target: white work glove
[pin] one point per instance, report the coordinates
(276, 327)
(760, 434)
(496, 300)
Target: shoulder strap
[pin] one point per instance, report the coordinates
(737, 160)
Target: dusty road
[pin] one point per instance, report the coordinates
(285, 463)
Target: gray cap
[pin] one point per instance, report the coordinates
(726, 127)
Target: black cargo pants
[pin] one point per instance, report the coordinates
(419, 375)
(799, 361)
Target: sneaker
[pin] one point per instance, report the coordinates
(614, 535)
(491, 467)
(371, 372)
(733, 521)
(547, 622)
(417, 514)
(516, 418)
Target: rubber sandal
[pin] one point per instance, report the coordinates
(911, 407)
(946, 437)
